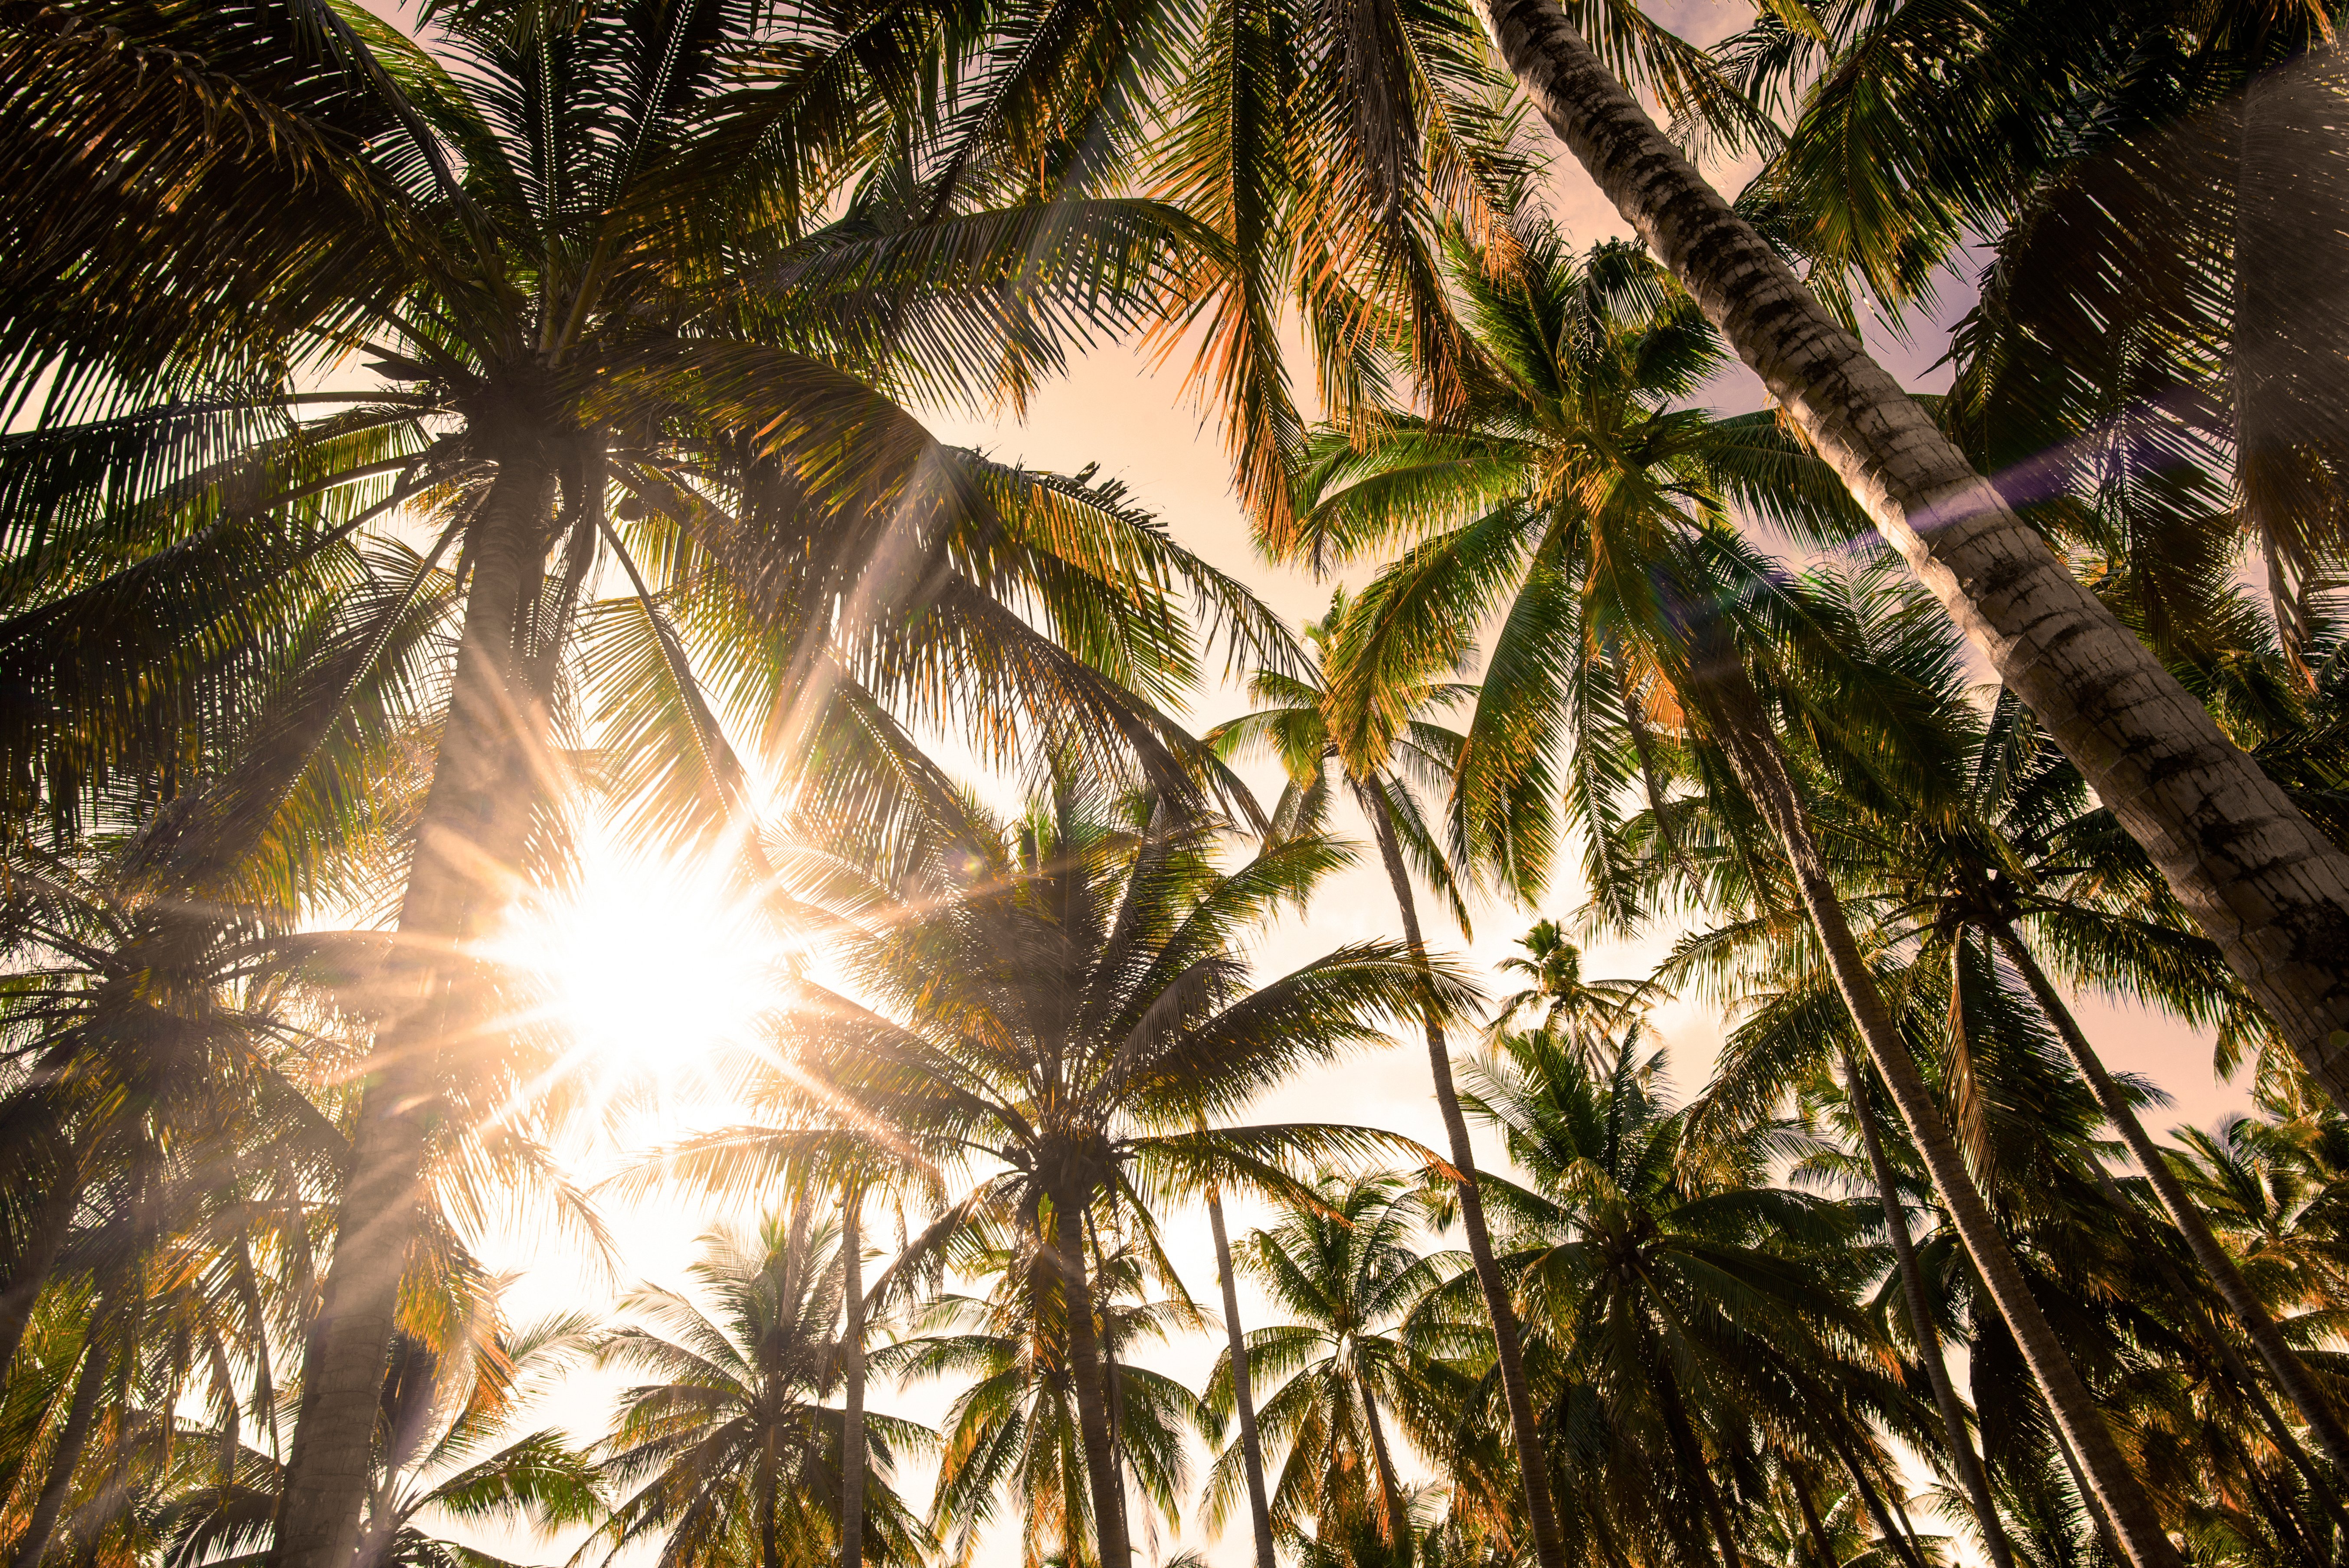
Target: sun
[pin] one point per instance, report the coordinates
(649, 964)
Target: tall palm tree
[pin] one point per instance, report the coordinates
(1590, 1011)
(1574, 491)
(1379, 743)
(1341, 1270)
(1693, 1297)
(617, 309)
(1012, 1433)
(733, 1453)
(1056, 1001)
(2269, 888)
(1243, 1388)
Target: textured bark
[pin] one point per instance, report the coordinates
(28, 1272)
(852, 1417)
(2291, 1375)
(1243, 1394)
(1921, 1322)
(1508, 1345)
(475, 820)
(2270, 888)
(1093, 1395)
(1733, 712)
(73, 1437)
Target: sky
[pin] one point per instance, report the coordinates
(1116, 410)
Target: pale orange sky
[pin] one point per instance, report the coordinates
(1113, 410)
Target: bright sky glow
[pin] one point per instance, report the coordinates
(648, 963)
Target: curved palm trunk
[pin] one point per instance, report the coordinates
(1092, 1394)
(1920, 1322)
(29, 1273)
(1732, 711)
(2261, 879)
(73, 1437)
(1242, 1395)
(2290, 1373)
(1508, 1347)
(851, 1415)
(475, 818)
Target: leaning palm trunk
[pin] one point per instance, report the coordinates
(1734, 715)
(475, 817)
(1920, 1321)
(851, 1414)
(1508, 1352)
(2290, 1373)
(44, 1239)
(2262, 880)
(65, 1455)
(1085, 1372)
(1242, 1395)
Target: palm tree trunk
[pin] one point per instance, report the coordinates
(1508, 1349)
(1691, 1455)
(475, 818)
(1811, 1525)
(1920, 1322)
(2290, 1373)
(1390, 1509)
(2097, 1517)
(1731, 710)
(1242, 1395)
(2244, 1389)
(851, 1416)
(2270, 888)
(771, 1554)
(1895, 1534)
(1093, 1395)
(29, 1272)
(73, 1437)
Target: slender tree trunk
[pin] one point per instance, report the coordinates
(1508, 1346)
(2291, 1375)
(73, 1437)
(1731, 710)
(1920, 1321)
(851, 1416)
(1092, 1397)
(1895, 1534)
(475, 820)
(771, 1554)
(2270, 888)
(1242, 1395)
(1811, 1525)
(2089, 1501)
(2244, 1389)
(28, 1273)
(1391, 1507)
(1691, 1455)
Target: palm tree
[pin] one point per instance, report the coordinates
(731, 1453)
(614, 314)
(2275, 897)
(1589, 1010)
(1692, 1298)
(445, 1452)
(1574, 491)
(1013, 1431)
(1380, 744)
(1341, 1270)
(1059, 998)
